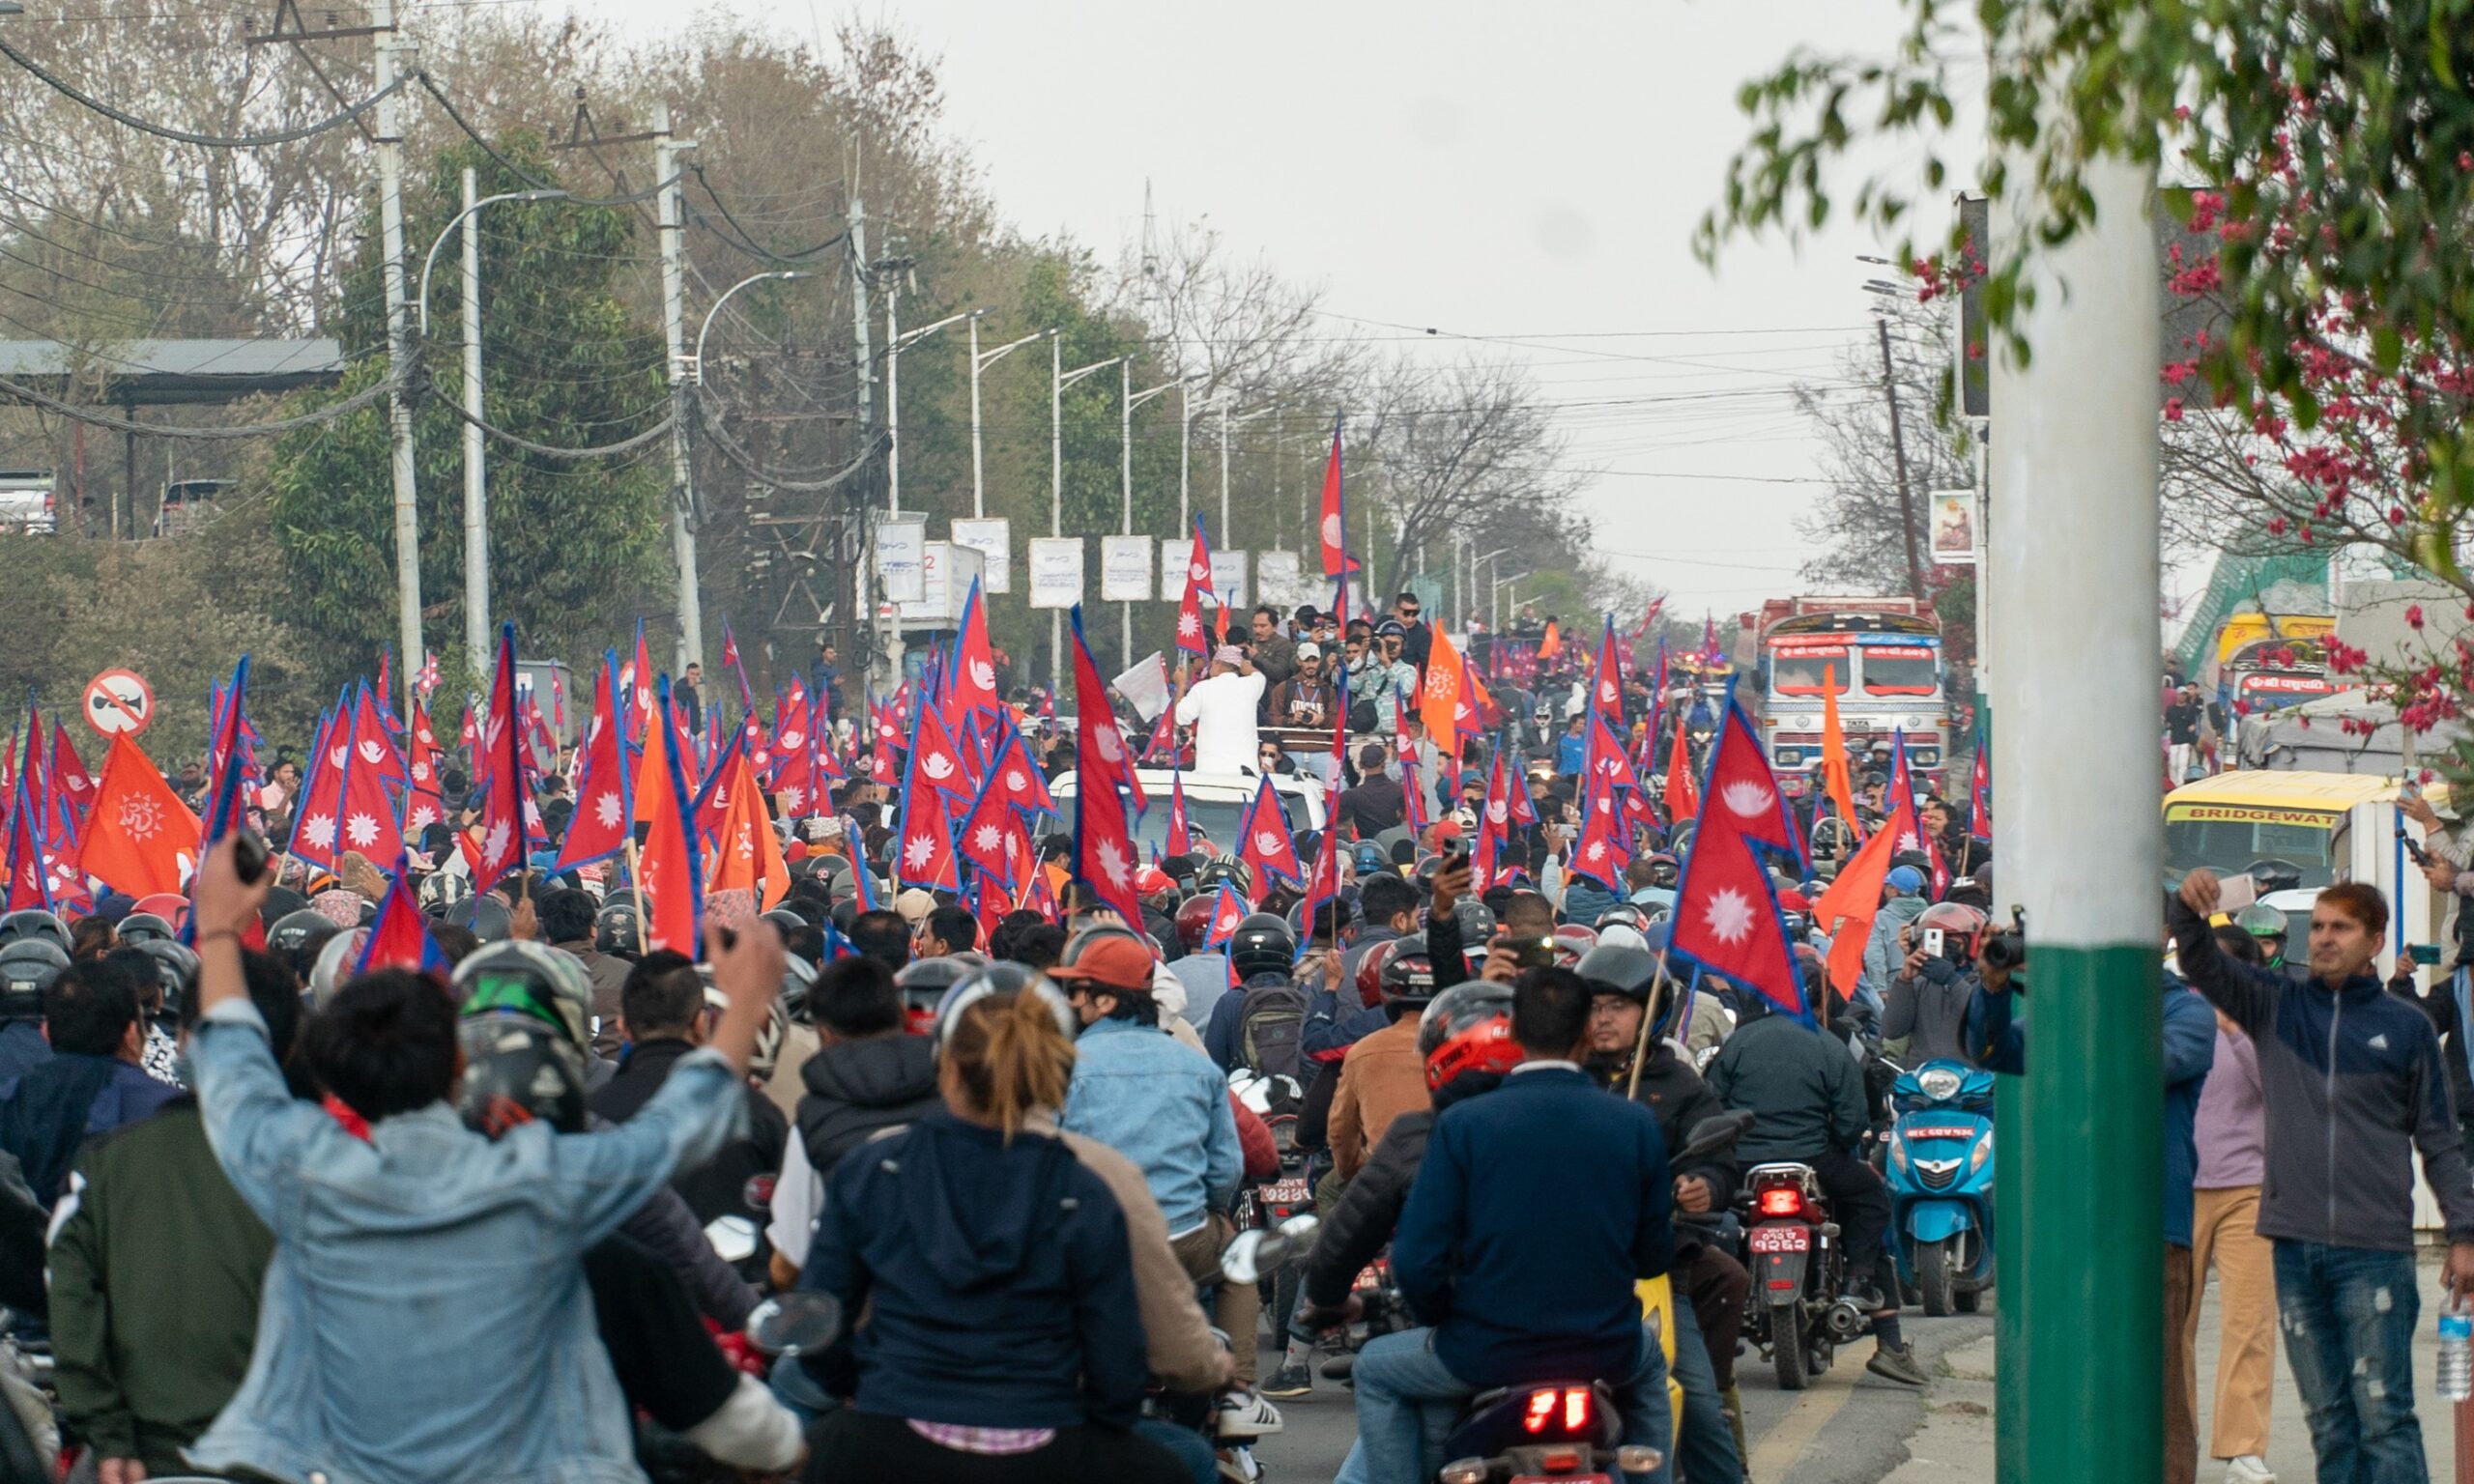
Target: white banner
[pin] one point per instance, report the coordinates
(1229, 580)
(1125, 569)
(991, 539)
(1275, 579)
(902, 554)
(1173, 552)
(1056, 571)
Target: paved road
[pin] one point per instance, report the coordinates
(1849, 1428)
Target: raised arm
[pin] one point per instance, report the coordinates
(2248, 995)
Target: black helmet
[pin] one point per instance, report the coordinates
(517, 1070)
(923, 983)
(1408, 973)
(1476, 923)
(35, 923)
(529, 981)
(295, 938)
(487, 916)
(999, 979)
(27, 968)
(1262, 944)
(1615, 968)
(1665, 872)
(1229, 869)
(614, 927)
(176, 969)
(139, 929)
(624, 897)
(442, 890)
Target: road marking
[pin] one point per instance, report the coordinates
(1783, 1446)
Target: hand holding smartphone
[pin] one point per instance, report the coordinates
(2234, 893)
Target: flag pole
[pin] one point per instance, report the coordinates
(1641, 1047)
(636, 878)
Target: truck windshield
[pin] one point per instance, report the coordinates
(2225, 845)
(1903, 671)
(1801, 671)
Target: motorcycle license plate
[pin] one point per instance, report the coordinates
(1781, 1238)
(1286, 1193)
(1562, 1479)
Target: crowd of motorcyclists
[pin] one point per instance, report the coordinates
(290, 1207)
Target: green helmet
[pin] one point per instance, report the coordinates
(2262, 921)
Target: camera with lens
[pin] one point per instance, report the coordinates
(2007, 950)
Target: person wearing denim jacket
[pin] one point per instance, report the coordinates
(425, 1315)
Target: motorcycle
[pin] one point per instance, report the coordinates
(1239, 1420)
(1271, 1205)
(1554, 1432)
(1798, 1312)
(1940, 1183)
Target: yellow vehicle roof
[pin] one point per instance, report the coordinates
(2334, 792)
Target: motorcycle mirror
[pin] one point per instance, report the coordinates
(1244, 1259)
(797, 1322)
(733, 1237)
(1716, 1133)
(1300, 1229)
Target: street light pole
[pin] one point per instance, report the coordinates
(1058, 379)
(897, 342)
(981, 360)
(695, 371)
(1226, 539)
(477, 499)
(1128, 400)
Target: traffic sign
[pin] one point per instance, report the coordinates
(119, 702)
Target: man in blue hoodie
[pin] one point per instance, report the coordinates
(1534, 1213)
(93, 1082)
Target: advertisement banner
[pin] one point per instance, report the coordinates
(1275, 575)
(1056, 571)
(902, 554)
(991, 539)
(1125, 569)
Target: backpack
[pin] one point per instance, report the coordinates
(1271, 1020)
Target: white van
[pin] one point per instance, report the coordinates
(1214, 804)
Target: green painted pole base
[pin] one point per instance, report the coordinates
(2080, 1336)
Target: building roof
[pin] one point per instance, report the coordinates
(159, 373)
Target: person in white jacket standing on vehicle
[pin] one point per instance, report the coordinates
(1222, 710)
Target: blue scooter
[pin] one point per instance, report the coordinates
(1941, 1179)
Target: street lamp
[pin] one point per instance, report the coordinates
(1129, 400)
(981, 360)
(896, 342)
(1224, 420)
(1474, 560)
(1495, 598)
(695, 376)
(1058, 379)
(476, 496)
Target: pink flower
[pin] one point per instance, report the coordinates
(2414, 616)
(2173, 409)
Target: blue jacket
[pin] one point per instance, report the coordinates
(1534, 1210)
(1569, 754)
(21, 1046)
(404, 1261)
(48, 1113)
(2000, 1044)
(1155, 1101)
(2354, 1086)
(995, 1278)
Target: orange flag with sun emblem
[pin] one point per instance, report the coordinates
(140, 839)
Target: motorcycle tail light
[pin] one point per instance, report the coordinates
(1575, 1409)
(1559, 1460)
(1542, 1411)
(1782, 1201)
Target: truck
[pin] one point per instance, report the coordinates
(2262, 662)
(1881, 654)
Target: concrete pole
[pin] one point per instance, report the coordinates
(893, 396)
(476, 496)
(1056, 499)
(2074, 498)
(673, 225)
(862, 616)
(1223, 473)
(399, 406)
(1125, 486)
(978, 478)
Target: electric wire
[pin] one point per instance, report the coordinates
(70, 89)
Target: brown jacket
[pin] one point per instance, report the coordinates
(1381, 1079)
(1183, 1356)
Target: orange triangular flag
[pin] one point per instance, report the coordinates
(1439, 698)
(747, 854)
(1833, 752)
(1552, 644)
(140, 839)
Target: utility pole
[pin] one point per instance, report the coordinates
(399, 351)
(672, 221)
(863, 617)
(893, 388)
(1129, 399)
(2075, 625)
(477, 495)
(1058, 379)
(1898, 455)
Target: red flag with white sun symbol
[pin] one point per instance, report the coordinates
(1726, 912)
(1103, 857)
(1197, 587)
(602, 819)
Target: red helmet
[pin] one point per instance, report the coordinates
(1467, 1028)
(1961, 927)
(1369, 971)
(171, 907)
(1572, 941)
(1194, 922)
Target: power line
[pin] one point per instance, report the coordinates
(69, 89)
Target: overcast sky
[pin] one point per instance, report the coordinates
(1527, 173)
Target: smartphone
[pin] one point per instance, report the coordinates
(1534, 952)
(1932, 943)
(2234, 893)
(2425, 953)
(250, 856)
(2414, 848)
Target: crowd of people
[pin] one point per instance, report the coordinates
(1005, 1129)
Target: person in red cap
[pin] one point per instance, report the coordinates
(1162, 1105)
